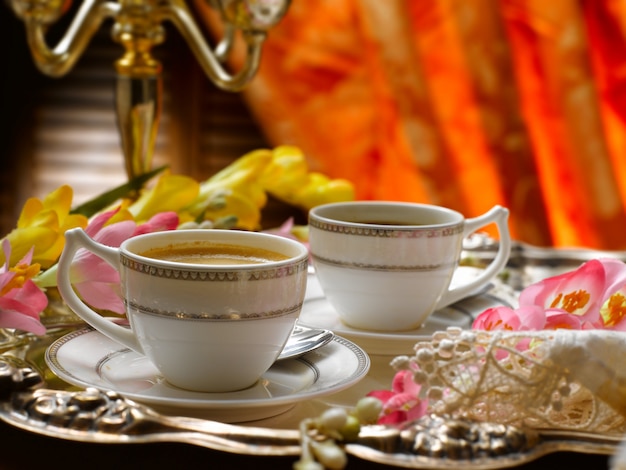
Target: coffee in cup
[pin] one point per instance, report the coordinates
(213, 253)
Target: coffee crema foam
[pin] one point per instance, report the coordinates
(213, 254)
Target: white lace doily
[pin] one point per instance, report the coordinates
(562, 379)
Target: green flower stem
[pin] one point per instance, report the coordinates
(48, 278)
(104, 200)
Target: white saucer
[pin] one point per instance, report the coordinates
(317, 312)
(87, 358)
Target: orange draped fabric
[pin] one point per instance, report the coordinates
(462, 103)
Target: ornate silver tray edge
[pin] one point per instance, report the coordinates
(107, 417)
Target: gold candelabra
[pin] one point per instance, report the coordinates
(138, 27)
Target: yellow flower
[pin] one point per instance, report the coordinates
(322, 190)
(241, 189)
(235, 191)
(122, 214)
(236, 204)
(287, 172)
(170, 193)
(42, 224)
(288, 179)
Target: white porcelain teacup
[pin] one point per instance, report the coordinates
(386, 266)
(206, 327)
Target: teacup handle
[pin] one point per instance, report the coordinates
(498, 215)
(76, 239)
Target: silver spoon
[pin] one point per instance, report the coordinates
(303, 340)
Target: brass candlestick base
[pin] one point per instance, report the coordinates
(138, 28)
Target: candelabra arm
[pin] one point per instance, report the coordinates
(59, 60)
(225, 46)
(177, 13)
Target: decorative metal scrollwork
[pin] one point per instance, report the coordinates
(436, 442)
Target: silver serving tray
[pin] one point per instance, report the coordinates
(52, 408)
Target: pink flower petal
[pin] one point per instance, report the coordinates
(96, 281)
(532, 317)
(403, 383)
(33, 299)
(402, 402)
(20, 308)
(28, 257)
(580, 292)
(114, 234)
(615, 275)
(96, 224)
(160, 222)
(395, 417)
(5, 278)
(100, 295)
(16, 319)
(560, 319)
(417, 411)
(497, 318)
(382, 395)
(91, 268)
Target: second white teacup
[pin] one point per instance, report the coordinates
(386, 266)
(211, 309)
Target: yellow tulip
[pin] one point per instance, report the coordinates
(122, 214)
(241, 189)
(170, 193)
(42, 224)
(252, 163)
(236, 204)
(287, 168)
(321, 190)
(287, 178)
(247, 186)
(241, 178)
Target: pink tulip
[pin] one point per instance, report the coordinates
(402, 402)
(579, 292)
(97, 282)
(497, 318)
(159, 223)
(21, 301)
(557, 319)
(591, 296)
(613, 310)
(505, 318)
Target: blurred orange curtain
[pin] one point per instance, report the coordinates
(462, 103)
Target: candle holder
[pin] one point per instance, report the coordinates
(138, 27)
